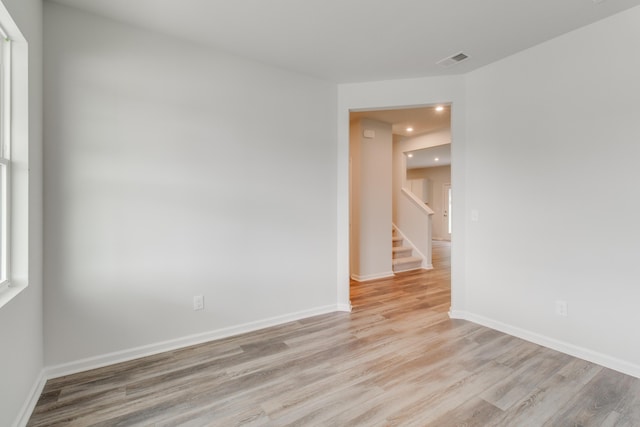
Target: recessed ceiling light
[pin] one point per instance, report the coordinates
(409, 129)
(436, 159)
(409, 155)
(439, 108)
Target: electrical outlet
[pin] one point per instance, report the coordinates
(561, 308)
(198, 302)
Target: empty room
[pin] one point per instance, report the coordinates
(209, 216)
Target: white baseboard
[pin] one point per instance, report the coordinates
(345, 307)
(151, 349)
(366, 277)
(429, 267)
(30, 404)
(457, 314)
(605, 360)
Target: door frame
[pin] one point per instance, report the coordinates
(406, 93)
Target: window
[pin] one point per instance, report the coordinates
(14, 159)
(5, 147)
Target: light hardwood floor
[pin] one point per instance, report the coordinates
(397, 359)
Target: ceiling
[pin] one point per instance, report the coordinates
(426, 157)
(421, 120)
(361, 40)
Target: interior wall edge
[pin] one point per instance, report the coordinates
(31, 400)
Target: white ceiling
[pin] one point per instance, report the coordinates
(426, 157)
(361, 40)
(421, 120)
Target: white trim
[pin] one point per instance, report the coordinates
(457, 314)
(7, 83)
(29, 405)
(9, 290)
(358, 278)
(151, 349)
(17, 113)
(5, 158)
(3, 33)
(573, 350)
(429, 267)
(419, 203)
(345, 307)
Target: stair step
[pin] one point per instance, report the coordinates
(406, 263)
(401, 251)
(396, 241)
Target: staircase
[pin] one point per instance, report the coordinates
(403, 259)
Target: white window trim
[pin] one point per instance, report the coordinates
(17, 232)
(5, 160)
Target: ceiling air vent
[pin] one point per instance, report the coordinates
(452, 60)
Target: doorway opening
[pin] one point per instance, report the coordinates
(384, 152)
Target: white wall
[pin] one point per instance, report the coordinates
(113, 95)
(21, 353)
(169, 174)
(533, 137)
(371, 200)
(549, 129)
(438, 177)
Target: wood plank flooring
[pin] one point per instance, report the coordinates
(397, 359)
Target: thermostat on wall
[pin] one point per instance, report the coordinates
(369, 133)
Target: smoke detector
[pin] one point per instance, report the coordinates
(452, 60)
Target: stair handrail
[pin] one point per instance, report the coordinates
(418, 202)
